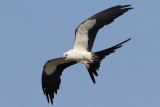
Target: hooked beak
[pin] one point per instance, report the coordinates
(64, 57)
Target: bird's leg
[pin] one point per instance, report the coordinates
(89, 60)
(87, 65)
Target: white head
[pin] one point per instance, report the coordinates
(67, 55)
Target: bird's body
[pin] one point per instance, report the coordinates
(77, 55)
(82, 50)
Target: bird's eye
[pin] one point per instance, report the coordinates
(66, 54)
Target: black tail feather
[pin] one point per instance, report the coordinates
(92, 76)
(105, 52)
(92, 69)
(98, 56)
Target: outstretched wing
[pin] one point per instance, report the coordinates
(51, 76)
(86, 32)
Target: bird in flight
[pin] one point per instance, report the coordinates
(82, 50)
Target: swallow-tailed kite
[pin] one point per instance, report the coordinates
(81, 52)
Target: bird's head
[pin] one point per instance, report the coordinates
(68, 55)
(65, 55)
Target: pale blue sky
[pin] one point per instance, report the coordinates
(34, 31)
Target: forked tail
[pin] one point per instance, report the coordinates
(98, 57)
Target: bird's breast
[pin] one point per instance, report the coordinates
(83, 57)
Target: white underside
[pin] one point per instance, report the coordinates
(80, 53)
(80, 56)
(81, 40)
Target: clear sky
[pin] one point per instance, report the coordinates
(34, 31)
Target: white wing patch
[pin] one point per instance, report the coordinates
(81, 40)
(51, 65)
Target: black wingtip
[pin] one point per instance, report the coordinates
(47, 98)
(128, 6)
(94, 82)
(51, 101)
